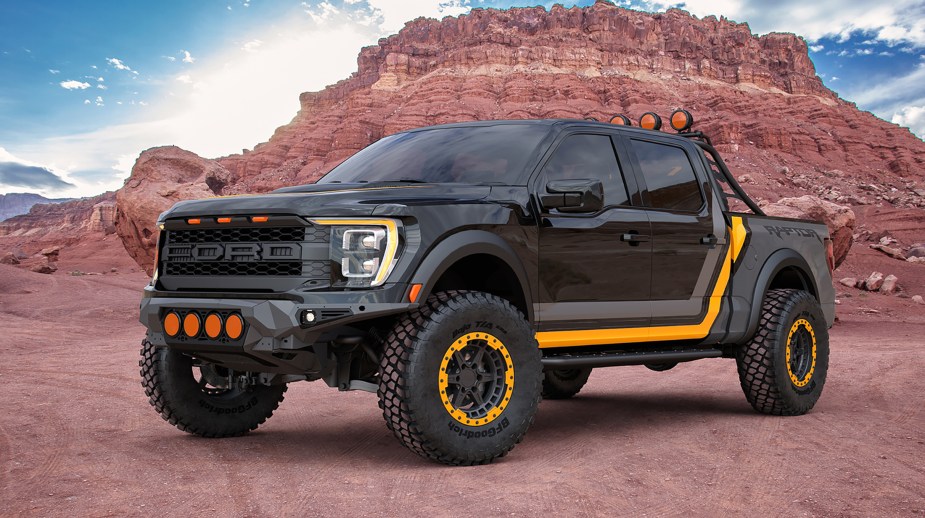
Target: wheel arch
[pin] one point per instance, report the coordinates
(784, 268)
(476, 260)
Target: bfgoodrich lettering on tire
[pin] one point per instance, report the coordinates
(460, 378)
(783, 368)
(199, 399)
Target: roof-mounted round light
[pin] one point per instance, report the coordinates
(650, 121)
(621, 120)
(681, 120)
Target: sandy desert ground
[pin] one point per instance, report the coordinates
(78, 437)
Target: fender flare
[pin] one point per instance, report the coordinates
(461, 245)
(776, 262)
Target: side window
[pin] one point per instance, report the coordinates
(588, 157)
(669, 176)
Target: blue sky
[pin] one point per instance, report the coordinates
(86, 86)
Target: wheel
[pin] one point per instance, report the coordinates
(564, 383)
(460, 378)
(202, 398)
(783, 368)
(661, 367)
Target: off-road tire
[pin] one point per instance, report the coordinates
(415, 355)
(564, 383)
(762, 362)
(167, 377)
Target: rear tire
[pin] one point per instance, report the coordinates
(564, 383)
(460, 378)
(783, 368)
(205, 407)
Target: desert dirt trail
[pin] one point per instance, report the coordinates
(78, 437)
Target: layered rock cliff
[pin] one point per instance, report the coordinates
(782, 131)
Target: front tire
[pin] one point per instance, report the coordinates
(208, 406)
(783, 368)
(460, 378)
(564, 383)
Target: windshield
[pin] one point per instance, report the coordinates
(472, 154)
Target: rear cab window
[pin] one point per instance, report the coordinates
(669, 176)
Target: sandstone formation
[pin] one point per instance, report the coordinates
(62, 222)
(757, 97)
(839, 219)
(160, 178)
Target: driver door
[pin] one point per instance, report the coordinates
(594, 268)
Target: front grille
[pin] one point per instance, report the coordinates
(230, 268)
(240, 235)
(246, 252)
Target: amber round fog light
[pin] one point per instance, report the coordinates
(234, 326)
(213, 325)
(191, 325)
(172, 324)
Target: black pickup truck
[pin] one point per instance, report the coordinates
(465, 271)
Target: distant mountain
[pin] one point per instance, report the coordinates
(17, 203)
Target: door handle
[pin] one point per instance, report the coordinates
(709, 240)
(633, 238)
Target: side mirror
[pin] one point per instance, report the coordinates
(573, 196)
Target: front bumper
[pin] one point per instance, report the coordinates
(274, 338)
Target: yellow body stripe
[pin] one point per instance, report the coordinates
(624, 335)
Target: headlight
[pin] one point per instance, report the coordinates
(364, 249)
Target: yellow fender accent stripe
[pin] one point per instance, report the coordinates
(623, 335)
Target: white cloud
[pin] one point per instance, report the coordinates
(899, 99)
(71, 84)
(99, 101)
(187, 57)
(816, 48)
(252, 45)
(169, 58)
(101, 87)
(895, 22)
(100, 79)
(912, 117)
(185, 78)
(86, 101)
(54, 71)
(118, 64)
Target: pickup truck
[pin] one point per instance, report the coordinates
(464, 272)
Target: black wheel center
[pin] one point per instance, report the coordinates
(475, 379)
(800, 353)
(468, 378)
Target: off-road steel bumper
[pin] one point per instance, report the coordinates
(276, 336)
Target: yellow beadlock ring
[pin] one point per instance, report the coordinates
(809, 375)
(444, 380)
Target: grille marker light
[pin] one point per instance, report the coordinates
(223, 220)
(193, 221)
(260, 219)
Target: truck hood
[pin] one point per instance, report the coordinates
(330, 200)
